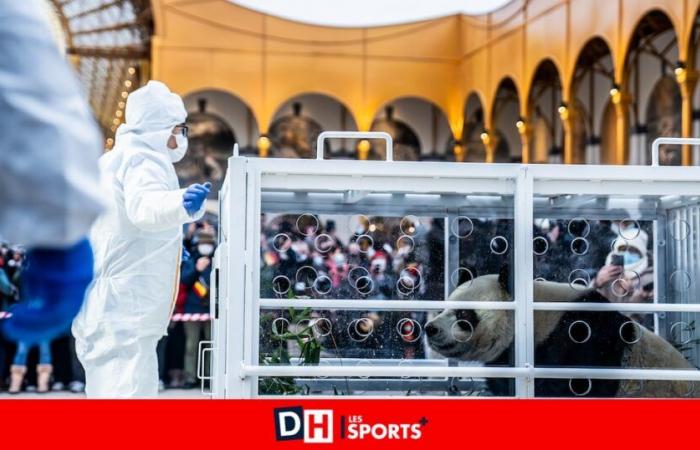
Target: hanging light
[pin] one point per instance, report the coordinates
(363, 149)
(680, 69)
(264, 144)
(563, 111)
(485, 137)
(615, 90)
(681, 72)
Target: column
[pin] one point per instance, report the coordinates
(593, 150)
(696, 132)
(459, 151)
(363, 148)
(687, 80)
(490, 144)
(525, 131)
(621, 101)
(567, 120)
(263, 146)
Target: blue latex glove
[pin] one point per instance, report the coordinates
(53, 289)
(185, 255)
(194, 197)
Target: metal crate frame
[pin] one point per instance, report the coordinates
(234, 370)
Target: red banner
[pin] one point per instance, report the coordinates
(366, 424)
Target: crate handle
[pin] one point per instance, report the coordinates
(355, 135)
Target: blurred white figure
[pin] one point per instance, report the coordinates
(137, 244)
(49, 188)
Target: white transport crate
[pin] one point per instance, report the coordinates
(286, 323)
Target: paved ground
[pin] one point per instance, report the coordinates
(168, 393)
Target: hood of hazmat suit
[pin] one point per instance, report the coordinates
(137, 246)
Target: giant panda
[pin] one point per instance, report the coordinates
(562, 339)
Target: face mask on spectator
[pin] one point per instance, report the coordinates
(631, 258)
(318, 260)
(339, 259)
(205, 249)
(633, 261)
(378, 265)
(301, 257)
(633, 251)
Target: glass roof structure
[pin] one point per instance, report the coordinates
(108, 41)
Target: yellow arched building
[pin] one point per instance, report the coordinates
(537, 80)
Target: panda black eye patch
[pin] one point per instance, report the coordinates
(467, 314)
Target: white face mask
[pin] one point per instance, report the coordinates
(205, 249)
(179, 153)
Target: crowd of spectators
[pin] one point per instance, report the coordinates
(363, 258)
(306, 256)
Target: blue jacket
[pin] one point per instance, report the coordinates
(189, 277)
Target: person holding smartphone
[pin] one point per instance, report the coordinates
(618, 279)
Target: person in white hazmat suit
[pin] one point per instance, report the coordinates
(137, 246)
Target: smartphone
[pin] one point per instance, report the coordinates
(617, 260)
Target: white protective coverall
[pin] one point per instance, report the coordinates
(137, 246)
(49, 145)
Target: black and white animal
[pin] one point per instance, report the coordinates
(562, 339)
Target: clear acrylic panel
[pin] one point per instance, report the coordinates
(616, 249)
(407, 339)
(380, 246)
(631, 249)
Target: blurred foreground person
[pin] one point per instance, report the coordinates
(49, 186)
(138, 245)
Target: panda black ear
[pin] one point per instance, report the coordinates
(504, 278)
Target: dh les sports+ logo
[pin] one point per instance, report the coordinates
(317, 426)
(314, 426)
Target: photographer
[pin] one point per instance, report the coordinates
(195, 278)
(620, 277)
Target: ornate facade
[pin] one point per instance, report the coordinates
(538, 80)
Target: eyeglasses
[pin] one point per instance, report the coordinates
(184, 130)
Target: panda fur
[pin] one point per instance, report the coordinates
(492, 342)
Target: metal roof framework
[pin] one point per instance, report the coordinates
(108, 41)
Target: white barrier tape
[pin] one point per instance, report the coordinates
(177, 317)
